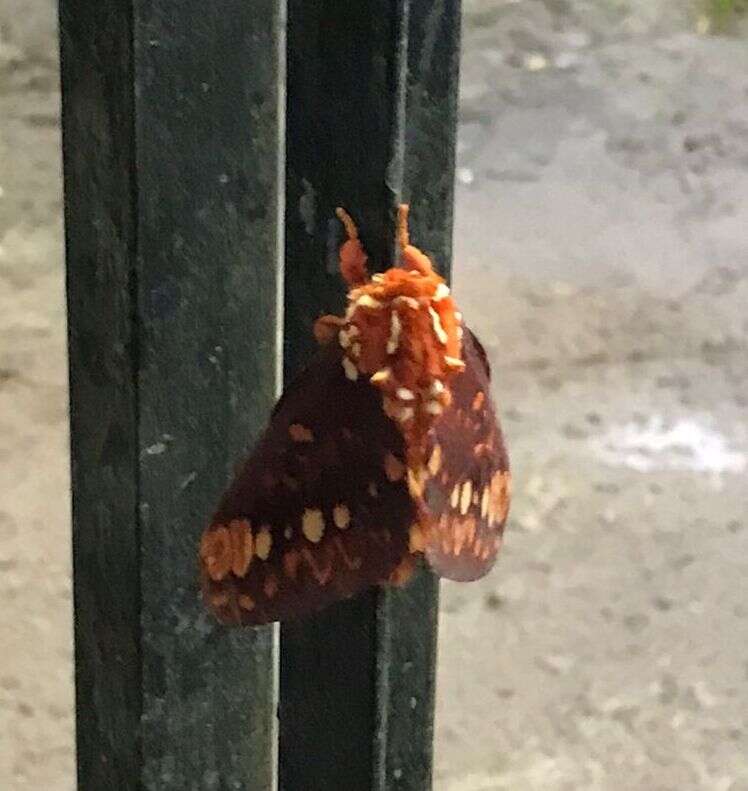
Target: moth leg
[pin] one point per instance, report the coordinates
(353, 258)
(413, 258)
(326, 329)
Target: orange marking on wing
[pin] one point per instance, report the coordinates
(215, 551)
(242, 546)
(416, 539)
(271, 586)
(460, 537)
(352, 563)
(393, 468)
(291, 562)
(246, 602)
(220, 599)
(322, 576)
(299, 433)
(402, 572)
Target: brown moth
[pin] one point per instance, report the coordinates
(385, 449)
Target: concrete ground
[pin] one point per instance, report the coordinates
(601, 254)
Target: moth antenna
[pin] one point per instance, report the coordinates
(350, 226)
(413, 258)
(353, 258)
(402, 225)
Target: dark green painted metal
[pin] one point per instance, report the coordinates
(344, 133)
(408, 618)
(357, 681)
(171, 140)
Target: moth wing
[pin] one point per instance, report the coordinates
(467, 487)
(319, 511)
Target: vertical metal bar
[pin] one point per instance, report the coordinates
(172, 166)
(408, 617)
(357, 681)
(344, 134)
(99, 162)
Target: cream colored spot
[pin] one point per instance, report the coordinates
(394, 469)
(466, 497)
(454, 362)
(288, 532)
(382, 375)
(377, 277)
(435, 460)
(404, 394)
(415, 482)
(405, 414)
(454, 498)
(350, 369)
(372, 489)
(356, 350)
(484, 501)
(438, 329)
(263, 543)
(344, 339)
(299, 433)
(395, 330)
(353, 331)
(437, 388)
(411, 302)
(341, 516)
(367, 301)
(434, 408)
(442, 292)
(313, 525)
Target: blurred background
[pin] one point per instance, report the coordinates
(602, 255)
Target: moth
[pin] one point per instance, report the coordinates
(384, 452)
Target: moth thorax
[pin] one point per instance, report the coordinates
(402, 332)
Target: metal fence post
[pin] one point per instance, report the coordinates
(172, 123)
(173, 164)
(371, 119)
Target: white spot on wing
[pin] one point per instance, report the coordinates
(442, 292)
(437, 324)
(350, 369)
(395, 330)
(263, 543)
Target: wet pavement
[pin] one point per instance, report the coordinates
(601, 254)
